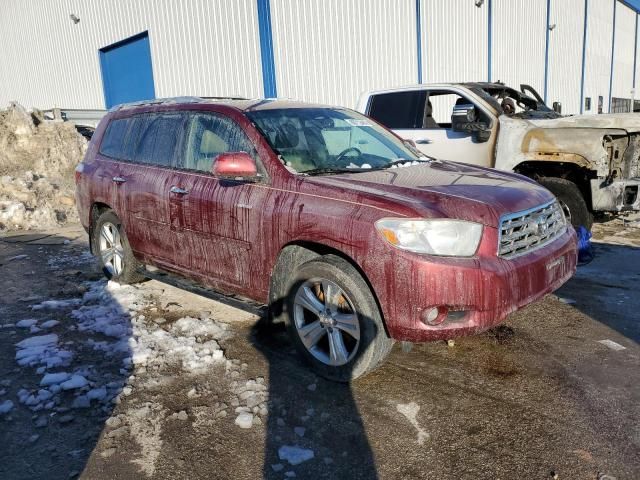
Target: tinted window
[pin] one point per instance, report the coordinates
(114, 139)
(211, 135)
(398, 109)
(158, 137)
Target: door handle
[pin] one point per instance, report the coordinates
(178, 190)
(423, 141)
(118, 180)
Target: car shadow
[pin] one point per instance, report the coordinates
(80, 331)
(310, 413)
(606, 289)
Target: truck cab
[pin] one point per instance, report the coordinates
(590, 162)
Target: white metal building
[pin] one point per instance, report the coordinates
(90, 54)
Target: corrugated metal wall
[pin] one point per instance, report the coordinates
(197, 48)
(325, 51)
(565, 54)
(598, 60)
(624, 52)
(519, 31)
(454, 41)
(331, 51)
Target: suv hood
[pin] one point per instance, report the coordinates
(626, 121)
(443, 189)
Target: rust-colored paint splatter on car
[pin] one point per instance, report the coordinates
(349, 234)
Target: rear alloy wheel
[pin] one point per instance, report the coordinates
(113, 251)
(334, 320)
(110, 249)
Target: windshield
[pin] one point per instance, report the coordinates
(327, 140)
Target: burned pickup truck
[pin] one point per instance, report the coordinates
(590, 162)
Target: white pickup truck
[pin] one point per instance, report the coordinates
(590, 162)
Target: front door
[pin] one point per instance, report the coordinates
(217, 221)
(437, 139)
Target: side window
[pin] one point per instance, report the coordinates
(158, 138)
(209, 136)
(113, 143)
(399, 110)
(440, 107)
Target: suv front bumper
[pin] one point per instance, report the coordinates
(472, 295)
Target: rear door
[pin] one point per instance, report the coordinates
(424, 116)
(147, 180)
(218, 222)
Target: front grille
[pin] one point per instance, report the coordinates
(523, 232)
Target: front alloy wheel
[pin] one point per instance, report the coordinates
(326, 321)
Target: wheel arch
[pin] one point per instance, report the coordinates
(97, 209)
(296, 253)
(560, 167)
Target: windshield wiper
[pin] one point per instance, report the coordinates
(401, 161)
(329, 170)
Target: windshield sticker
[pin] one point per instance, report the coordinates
(358, 122)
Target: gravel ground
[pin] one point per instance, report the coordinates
(99, 381)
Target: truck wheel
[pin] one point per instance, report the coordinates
(571, 200)
(113, 250)
(334, 320)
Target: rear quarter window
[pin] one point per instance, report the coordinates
(113, 142)
(399, 110)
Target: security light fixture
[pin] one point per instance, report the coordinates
(552, 26)
(74, 18)
(479, 3)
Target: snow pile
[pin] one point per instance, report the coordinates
(37, 159)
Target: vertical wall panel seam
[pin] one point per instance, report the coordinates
(613, 49)
(584, 53)
(419, 39)
(635, 54)
(489, 37)
(546, 52)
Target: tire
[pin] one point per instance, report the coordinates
(121, 266)
(571, 200)
(355, 318)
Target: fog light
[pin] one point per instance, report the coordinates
(433, 316)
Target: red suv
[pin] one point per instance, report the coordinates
(351, 236)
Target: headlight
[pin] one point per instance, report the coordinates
(454, 238)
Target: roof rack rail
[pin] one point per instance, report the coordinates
(157, 101)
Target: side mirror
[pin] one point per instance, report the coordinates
(235, 165)
(462, 114)
(464, 118)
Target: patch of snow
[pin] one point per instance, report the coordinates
(56, 304)
(410, 411)
(54, 378)
(6, 407)
(76, 381)
(26, 323)
(295, 455)
(612, 345)
(42, 350)
(49, 324)
(244, 420)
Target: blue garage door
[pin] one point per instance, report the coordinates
(127, 74)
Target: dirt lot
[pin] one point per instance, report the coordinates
(152, 383)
